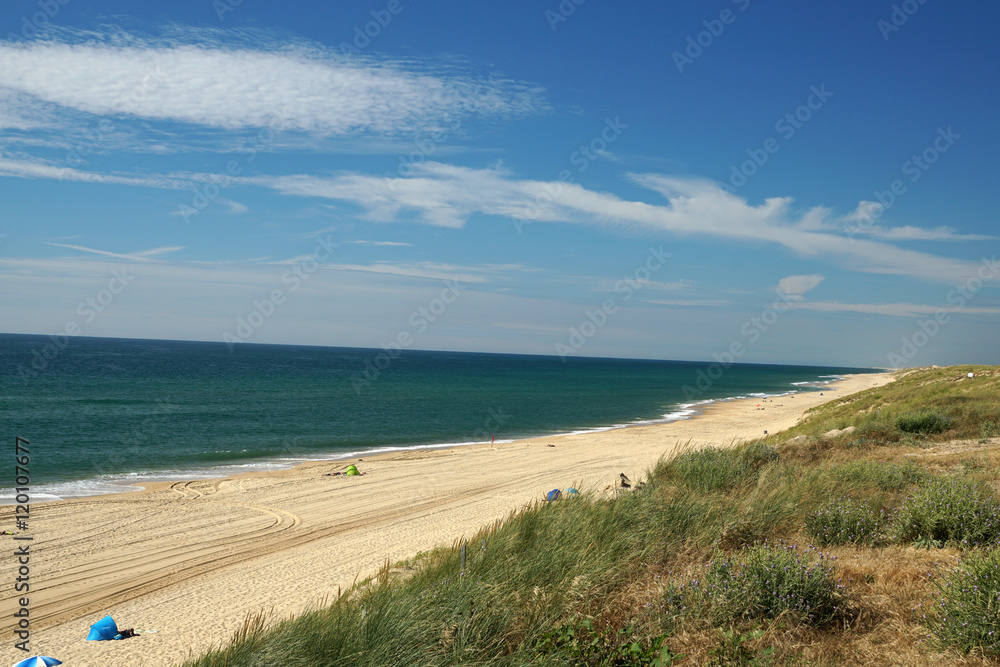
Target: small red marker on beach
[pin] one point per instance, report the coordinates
(492, 438)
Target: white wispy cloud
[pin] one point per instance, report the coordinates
(911, 233)
(892, 309)
(528, 327)
(43, 169)
(482, 273)
(140, 256)
(863, 221)
(609, 284)
(447, 195)
(381, 243)
(795, 287)
(235, 208)
(214, 82)
(20, 112)
(865, 213)
(688, 302)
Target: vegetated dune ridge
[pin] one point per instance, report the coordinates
(192, 559)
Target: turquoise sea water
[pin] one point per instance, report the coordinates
(100, 413)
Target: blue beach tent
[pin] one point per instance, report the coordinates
(553, 494)
(104, 629)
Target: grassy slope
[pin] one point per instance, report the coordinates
(680, 566)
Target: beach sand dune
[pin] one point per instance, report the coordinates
(192, 559)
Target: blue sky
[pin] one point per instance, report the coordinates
(804, 183)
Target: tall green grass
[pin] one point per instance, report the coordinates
(884, 476)
(714, 469)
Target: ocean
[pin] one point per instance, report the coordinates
(101, 414)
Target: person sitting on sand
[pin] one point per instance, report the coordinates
(124, 634)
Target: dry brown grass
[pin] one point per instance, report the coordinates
(887, 590)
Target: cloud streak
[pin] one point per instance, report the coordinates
(42, 169)
(447, 196)
(142, 256)
(911, 233)
(891, 309)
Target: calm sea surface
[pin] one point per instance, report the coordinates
(100, 413)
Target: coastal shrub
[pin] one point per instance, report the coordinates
(882, 475)
(758, 453)
(922, 422)
(847, 521)
(734, 649)
(987, 430)
(949, 510)
(714, 469)
(876, 430)
(579, 643)
(760, 582)
(967, 614)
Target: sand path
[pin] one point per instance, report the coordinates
(191, 559)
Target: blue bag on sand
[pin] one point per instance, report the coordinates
(553, 494)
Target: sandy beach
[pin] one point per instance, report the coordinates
(192, 559)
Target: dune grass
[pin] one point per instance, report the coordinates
(921, 406)
(715, 561)
(848, 521)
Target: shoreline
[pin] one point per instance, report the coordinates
(122, 485)
(192, 558)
